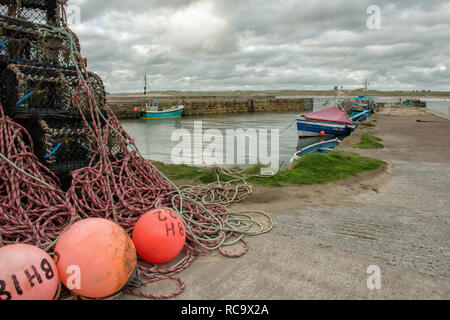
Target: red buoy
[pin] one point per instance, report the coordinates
(27, 273)
(95, 258)
(322, 133)
(135, 110)
(159, 236)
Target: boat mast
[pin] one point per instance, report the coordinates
(366, 87)
(145, 85)
(339, 99)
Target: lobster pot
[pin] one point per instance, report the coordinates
(37, 92)
(30, 44)
(115, 145)
(61, 145)
(37, 11)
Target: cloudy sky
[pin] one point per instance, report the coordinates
(266, 44)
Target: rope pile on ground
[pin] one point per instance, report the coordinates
(33, 209)
(220, 192)
(122, 188)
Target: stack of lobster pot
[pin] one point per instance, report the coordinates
(39, 80)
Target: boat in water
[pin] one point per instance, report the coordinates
(319, 147)
(362, 104)
(331, 121)
(152, 112)
(359, 117)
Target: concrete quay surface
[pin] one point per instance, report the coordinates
(323, 251)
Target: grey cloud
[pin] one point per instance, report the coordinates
(230, 44)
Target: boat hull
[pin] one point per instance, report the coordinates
(310, 128)
(320, 147)
(174, 114)
(358, 117)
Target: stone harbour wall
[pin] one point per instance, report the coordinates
(216, 106)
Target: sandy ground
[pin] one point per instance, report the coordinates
(274, 200)
(326, 237)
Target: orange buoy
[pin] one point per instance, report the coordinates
(159, 236)
(322, 133)
(135, 110)
(95, 258)
(27, 273)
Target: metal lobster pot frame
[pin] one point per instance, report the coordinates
(37, 11)
(30, 44)
(60, 142)
(37, 92)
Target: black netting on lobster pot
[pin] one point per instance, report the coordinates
(28, 90)
(32, 43)
(58, 49)
(3, 8)
(115, 145)
(23, 43)
(37, 11)
(92, 90)
(62, 146)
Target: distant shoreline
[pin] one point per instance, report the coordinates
(287, 93)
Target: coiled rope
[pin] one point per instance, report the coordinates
(33, 210)
(234, 190)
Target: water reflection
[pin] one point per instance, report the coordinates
(153, 137)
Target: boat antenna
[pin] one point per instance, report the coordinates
(145, 85)
(339, 98)
(366, 87)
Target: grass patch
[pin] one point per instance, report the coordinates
(369, 142)
(312, 169)
(322, 168)
(185, 172)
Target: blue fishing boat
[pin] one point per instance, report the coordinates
(361, 116)
(152, 112)
(319, 147)
(331, 121)
(363, 103)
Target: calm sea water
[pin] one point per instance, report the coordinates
(153, 137)
(439, 105)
